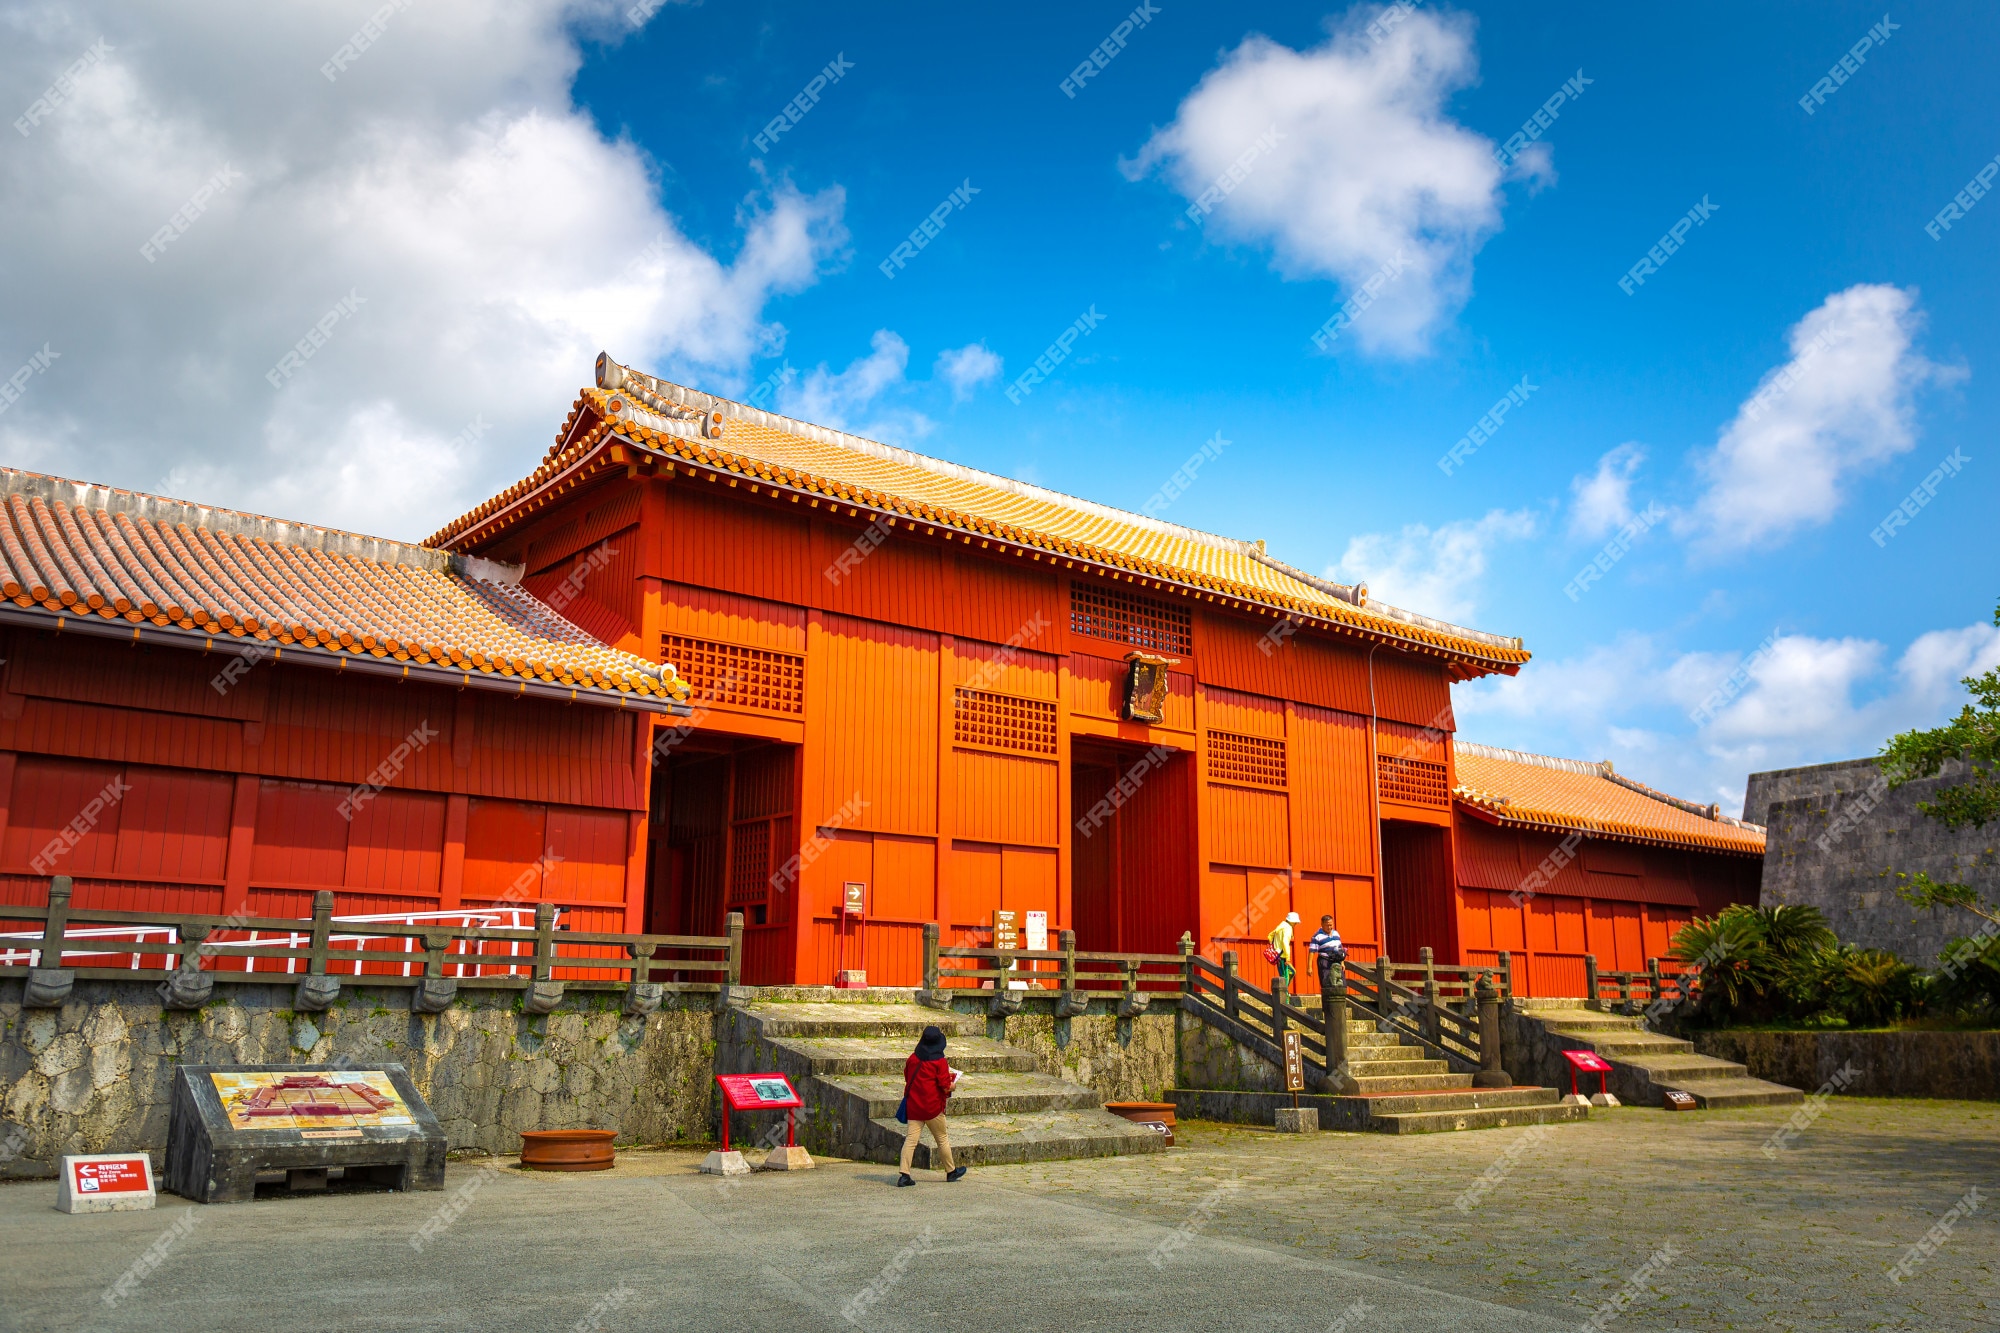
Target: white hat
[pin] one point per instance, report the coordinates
(1291, 916)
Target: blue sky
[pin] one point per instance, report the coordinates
(511, 193)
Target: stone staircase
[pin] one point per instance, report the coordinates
(845, 1056)
(1395, 1088)
(1646, 1065)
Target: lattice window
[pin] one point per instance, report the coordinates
(1411, 781)
(750, 863)
(722, 673)
(1126, 617)
(1003, 722)
(1254, 761)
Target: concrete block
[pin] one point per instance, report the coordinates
(1604, 1099)
(106, 1183)
(729, 1163)
(1302, 1120)
(792, 1158)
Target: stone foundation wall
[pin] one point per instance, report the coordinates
(1891, 1064)
(97, 1074)
(1120, 1059)
(1210, 1059)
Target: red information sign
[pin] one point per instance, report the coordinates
(758, 1092)
(117, 1175)
(1590, 1062)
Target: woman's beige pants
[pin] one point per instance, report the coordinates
(940, 1144)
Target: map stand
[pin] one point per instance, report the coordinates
(759, 1092)
(1590, 1062)
(231, 1122)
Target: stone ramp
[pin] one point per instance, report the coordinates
(846, 1057)
(1648, 1065)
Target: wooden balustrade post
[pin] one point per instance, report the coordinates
(1425, 957)
(49, 984)
(1066, 941)
(1431, 1021)
(1625, 992)
(1383, 969)
(545, 942)
(1189, 984)
(1229, 1003)
(931, 955)
(1506, 981)
(1590, 1000)
(1490, 1074)
(735, 931)
(1278, 1015)
(1655, 980)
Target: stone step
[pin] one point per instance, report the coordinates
(1396, 1068)
(1726, 1094)
(1413, 1083)
(1502, 1117)
(1388, 1055)
(1038, 1136)
(1472, 1099)
(1587, 1020)
(1701, 1068)
(814, 1019)
(1635, 1045)
(833, 1056)
(977, 1094)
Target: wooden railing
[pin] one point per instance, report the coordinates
(195, 952)
(1075, 978)
(1449, 981)
(1671, 985)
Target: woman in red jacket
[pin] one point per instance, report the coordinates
(926, 1089)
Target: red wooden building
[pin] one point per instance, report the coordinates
(210, 712)
(914, 683)
(1558, 858)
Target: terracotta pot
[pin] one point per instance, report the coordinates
(567, 1149)
(1147, 1113)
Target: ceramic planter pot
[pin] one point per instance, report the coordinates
(567, 1149)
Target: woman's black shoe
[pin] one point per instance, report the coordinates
(954, 1175)
(904, 1179)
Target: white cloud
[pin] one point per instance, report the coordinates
(1349, 160)
(966, 368)
(1432, 571)
(858, 398)
(1603, 500)
(1841, 405)
(496, 239)
(1580, 690)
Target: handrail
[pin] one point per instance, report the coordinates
(197, 949)
(1657, 985)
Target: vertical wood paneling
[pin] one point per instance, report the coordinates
(1159, 891)
(1239, 654)
(1354, 900)
(1413, 690)
(301, 836)
(1417, 891)
(994, 666)
(1330, 775)
(703, 613)
(1097, 689)
(175, 825)
(1250, 714)
(995, 601)
(50, 795)
(1488, 857)
(1248, 827)
(712, 543)
(504, 844)
(591, 845)
(975, 891)
(1328, 675)
(397, 843)
(905, 886)
(1006, 798)
(1092, 855)
(898, 581)
(880, 685)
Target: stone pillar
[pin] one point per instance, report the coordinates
(1278, 1014)
(1490, 1074)
(1333, 1003)
(1383, 1005)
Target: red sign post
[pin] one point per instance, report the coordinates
(1590, 1062)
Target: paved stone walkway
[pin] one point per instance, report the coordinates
(1796, 1241)
(1237, 1229)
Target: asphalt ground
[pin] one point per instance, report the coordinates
(1638, 1219)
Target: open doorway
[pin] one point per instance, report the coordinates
(1417, 891)
(1132, 849)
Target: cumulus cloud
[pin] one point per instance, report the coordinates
(966, 368)
(1344, 161)
(1842, 404)
(1603, 501)
(1432, 571)
(861, 398)
(486, 238)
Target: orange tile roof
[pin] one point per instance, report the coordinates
(1537, 791)
(662, 421)
(80, 557)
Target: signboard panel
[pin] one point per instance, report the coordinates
(1295, 1063)
(1037, 931)
(105, 1183)
(853, 898)
(1590, 1062)
(758, 1092)
(228, 1123)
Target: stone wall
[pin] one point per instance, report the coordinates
(1869, 833)
(1211, 1059)
(1890, 1064)
(97, 1075)
(1119, 1059)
